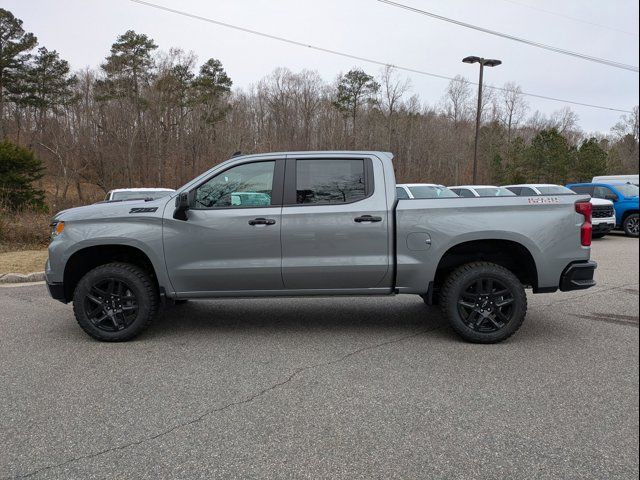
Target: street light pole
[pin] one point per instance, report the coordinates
(489, 63)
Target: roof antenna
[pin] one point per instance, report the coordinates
(236, 154)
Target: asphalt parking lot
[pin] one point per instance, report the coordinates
(326, 388)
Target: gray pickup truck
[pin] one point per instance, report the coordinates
(316, 223)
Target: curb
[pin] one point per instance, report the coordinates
(21, 278)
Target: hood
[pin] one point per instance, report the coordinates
(600, 202)
(118, 209)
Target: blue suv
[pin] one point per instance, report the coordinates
(625, 200)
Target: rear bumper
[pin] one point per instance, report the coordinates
(56, 290)
(578, 276)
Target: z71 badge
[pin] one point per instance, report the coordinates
(143, 210)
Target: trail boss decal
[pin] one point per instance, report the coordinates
(143, 210)
(543, 200)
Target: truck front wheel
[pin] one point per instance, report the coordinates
(631, 225)
(484, 302)
(115, 302)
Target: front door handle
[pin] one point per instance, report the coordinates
(367, 218)
(262, 221)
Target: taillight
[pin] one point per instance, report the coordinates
(585, 208)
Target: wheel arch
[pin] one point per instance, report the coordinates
(89, 257)
(510, 254)
(628, 212)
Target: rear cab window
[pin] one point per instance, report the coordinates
(327, 181)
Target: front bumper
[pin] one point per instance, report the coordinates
(578, 276)
(603, 227)
(56, 290)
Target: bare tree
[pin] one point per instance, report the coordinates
(513, 107)
(457, 100)
(390, 96)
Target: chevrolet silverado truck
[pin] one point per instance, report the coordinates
(333, 226)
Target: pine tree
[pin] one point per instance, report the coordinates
(19, 169)
(591, 160)
(129, 67)
(47, 82)
(211, 84)
(354, 88)
(15, 44)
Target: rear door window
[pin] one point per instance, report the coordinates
(602, 192)
(330, 181)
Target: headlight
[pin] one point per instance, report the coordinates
(56, 228)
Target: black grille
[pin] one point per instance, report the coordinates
(602, 211)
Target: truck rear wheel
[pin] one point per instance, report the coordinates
(631, 225)
(115, 302)
(484, 302)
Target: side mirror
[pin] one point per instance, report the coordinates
(611, 196)
(183, 201)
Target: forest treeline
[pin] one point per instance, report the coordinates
(148, 117)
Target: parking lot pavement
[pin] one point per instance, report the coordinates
(327, 388)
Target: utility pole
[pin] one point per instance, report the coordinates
(489, 63)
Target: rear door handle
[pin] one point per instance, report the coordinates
(262, 221)
(367, 218)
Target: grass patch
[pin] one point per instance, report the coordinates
(23, 261)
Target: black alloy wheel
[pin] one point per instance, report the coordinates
(111, 305)
(632, 225)
(483, 302)
(486, 305)
(115, 302)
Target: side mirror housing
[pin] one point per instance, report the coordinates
(611, 196)
(183, 201)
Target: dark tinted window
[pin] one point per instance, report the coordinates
(582, 189)
(602, 192)
(516, 190)
(463, 192)
(401, 193)
(527, 192)
(247, 185)
(329, 181)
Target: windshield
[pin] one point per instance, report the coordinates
(628, 189)
(494, 192)
(555, 190)
(431, 191)
(139, 194)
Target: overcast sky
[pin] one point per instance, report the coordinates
(82, 31)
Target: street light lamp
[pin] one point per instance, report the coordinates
(484, 62)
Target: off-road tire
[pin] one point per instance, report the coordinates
(140, 284)
(454, 286)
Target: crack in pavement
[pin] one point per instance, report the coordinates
(211, 411)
